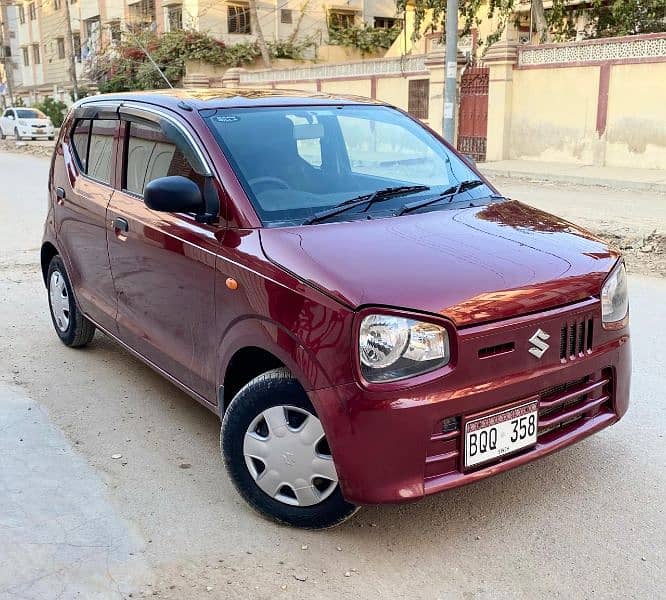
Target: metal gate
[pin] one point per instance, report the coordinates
(473, 116)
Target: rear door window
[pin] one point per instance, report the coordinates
(92, 141)
(80, 134)
(100, 150)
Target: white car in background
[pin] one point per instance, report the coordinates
(25, 123)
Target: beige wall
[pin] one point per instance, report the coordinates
(549, 103)
(636, 127)
(355, 87)
(554, 114)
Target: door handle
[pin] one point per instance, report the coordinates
(120, 224)
(60, 195)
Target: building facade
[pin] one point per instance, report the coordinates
(44, 46)
(10, 50)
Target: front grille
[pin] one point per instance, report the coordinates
(576, 339)
(562, 406)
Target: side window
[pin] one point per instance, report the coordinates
(151, 154)
(101, 149)
(80, 134)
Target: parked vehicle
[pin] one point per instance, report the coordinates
(25, 123)
(371, 320)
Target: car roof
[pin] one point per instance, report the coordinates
(199, 99)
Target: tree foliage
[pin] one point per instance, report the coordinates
(605, 18)
(367, 39)
(53, 109)
(126, 66)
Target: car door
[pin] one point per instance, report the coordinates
(6, 120)
(163, 264)
(82, 188)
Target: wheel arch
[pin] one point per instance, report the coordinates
(252, 346)
(47, 252)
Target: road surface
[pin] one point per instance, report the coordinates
(164, 520)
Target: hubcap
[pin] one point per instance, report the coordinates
(287, 455)
(59, 300)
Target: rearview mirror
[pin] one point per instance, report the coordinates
(173, 194)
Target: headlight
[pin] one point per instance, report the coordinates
(22, 123)
(393, 347)
(615, 299)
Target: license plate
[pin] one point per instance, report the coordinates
(500, 433)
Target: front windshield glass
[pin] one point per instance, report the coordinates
(295, 162)
(30, 113)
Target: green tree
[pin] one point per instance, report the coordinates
(606, 18)
(53, 109)
(627, 17)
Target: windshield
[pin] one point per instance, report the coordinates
(30, 113)
(296, 162)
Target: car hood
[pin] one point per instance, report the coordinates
(470, 265)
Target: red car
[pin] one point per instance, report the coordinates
(371, 320)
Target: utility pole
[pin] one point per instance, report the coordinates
(451, 72)
(5, 41)
(70, 52)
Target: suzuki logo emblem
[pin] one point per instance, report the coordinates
(539, 345)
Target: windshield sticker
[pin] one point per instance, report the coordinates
(226, 119)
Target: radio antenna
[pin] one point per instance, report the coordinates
(150, 58)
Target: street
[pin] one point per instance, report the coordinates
(163, 519)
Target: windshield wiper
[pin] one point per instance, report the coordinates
(369, 199)
(449, 193)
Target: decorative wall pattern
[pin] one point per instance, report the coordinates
(626, 48)
(379, 66)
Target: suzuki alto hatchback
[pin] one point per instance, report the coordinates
(370, 319)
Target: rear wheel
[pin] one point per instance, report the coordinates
(276, 453)
(71, 326)
(2, 134)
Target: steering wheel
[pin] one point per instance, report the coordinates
(281, 183)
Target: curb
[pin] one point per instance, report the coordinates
(617, 184)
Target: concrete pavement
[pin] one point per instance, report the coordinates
(165, 521)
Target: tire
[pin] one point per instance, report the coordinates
(73, 329)
(17, 136)
(2, 134)
(320, 504)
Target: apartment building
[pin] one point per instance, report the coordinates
(10, 70)
(43, 44)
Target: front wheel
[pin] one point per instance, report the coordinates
(17, 135)
(70, 324)
(275, 451)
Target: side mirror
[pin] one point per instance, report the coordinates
(173, 194)
(10, 117)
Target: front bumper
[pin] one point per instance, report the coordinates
(30, 131)
(390, 447)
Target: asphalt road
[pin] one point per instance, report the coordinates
(164, 521)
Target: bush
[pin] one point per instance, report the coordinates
(127, 67)
(53, 109)
(367, 39)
